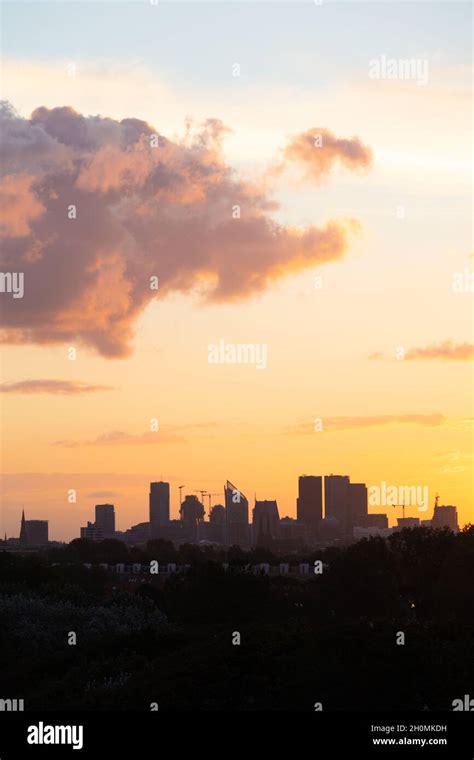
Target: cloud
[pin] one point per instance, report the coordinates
(118, 438)
(330, 424)
(446, 351)
(455, 461)
(57, 387)
(102, 494)
(141, 212)
(318, 150)
(170, 434)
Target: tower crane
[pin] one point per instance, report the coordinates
(402, 506)
(209, 496)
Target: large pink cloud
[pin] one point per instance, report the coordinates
(142, 212)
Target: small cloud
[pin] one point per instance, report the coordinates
(331, 424)
(446, 351)
(318, 150)
(117, 437)
(376, 355)
(56, 387)
(102, 494)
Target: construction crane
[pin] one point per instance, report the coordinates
(180, 488)
(202, 494)
(402, 506)
(209, 496)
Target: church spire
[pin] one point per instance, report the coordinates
(23, 528)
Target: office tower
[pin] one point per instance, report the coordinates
(236, 516)
(357, 505)
(192, 510)
(159, 505)
(445, 517)
(105, 519)
(217, 523)
(309, 504)
(336, 502)
(192, 515)
(217, 514)
(265, 523)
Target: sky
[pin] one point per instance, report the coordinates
(349, 259)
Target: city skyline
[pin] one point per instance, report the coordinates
(322, 500)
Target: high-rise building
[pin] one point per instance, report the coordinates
(217, 514)
(192, 510)
(357, 505)
(217, 523)
(236, 516)
(265, 522)
(159, 500)
(445, 517)
(337, 501)
(309, 504)
(105, 519)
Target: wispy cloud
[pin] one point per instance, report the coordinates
(448, 350)
(169, 434)
(331, 424)
(56, 387)
(119, 438)
(102, 494)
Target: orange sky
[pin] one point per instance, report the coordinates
(379, 347)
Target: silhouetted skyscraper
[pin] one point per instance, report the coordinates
(336, 501)
(309, 504)
(159, 504)
(192, 510)
(236, 516)
(265, 523)
(217, 523)
(357, 505)
(105, 519)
